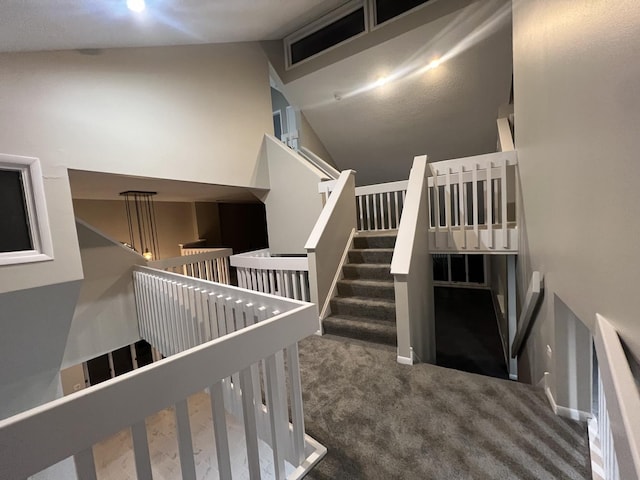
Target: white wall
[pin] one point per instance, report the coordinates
(577, 111)
(105, 316)
(293, 204)
(194, 113)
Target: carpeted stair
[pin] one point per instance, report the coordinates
(364, 307)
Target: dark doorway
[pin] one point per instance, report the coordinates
(467, 335)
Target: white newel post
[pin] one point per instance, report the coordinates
(413, 273)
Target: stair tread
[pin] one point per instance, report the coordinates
(368, 265)
(372, 301)
(385, 250)
(383, 324)
(363, 329)
(367, 282)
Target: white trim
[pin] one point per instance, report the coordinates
(559, 410)
(597, 470)
(36, 205)
(405, 360)
(326, 308)
(319, 24)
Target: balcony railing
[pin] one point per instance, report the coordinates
(230, 343)
(284, 276)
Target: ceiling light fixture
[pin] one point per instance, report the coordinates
(381, 81)
(141, 219)
(435, 63)
(136, 5)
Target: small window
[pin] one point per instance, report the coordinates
(14, 223)
(344, 23)
(24, 226)
(388, 9)
(333, 34)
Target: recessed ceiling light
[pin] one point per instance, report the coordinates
(381, 81)
(434, 64)
(136, 5)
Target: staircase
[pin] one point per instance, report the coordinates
(364, 308)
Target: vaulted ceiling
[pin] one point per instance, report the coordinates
(30, 25)
(378, 108)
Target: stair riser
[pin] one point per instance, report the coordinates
(355, 271)
(374, 242)
(370, 257)
(350, 290)
(384, 337)
(377, 312)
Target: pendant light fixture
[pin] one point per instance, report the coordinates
(141, 219)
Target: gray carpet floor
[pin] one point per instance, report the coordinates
(382, 420)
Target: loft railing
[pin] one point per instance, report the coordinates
(282, 276)
(229, 342)
(618, 415)
(472, 204)
(205, 263)
(378, 207)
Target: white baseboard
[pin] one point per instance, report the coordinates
(404, 360)
(559, 410)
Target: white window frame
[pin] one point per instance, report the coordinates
(322, 22)
(39, 230)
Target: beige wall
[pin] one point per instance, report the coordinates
(310, 140)
(194, 113)
(293, 204)
(577, 111)
(175, 222)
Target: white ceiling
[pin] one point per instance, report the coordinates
(447, 112)
(30, 25)
(105, 186)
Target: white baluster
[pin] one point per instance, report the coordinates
(185, 444)
(141, 450)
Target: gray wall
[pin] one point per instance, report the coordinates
(105, 315)
(577, 111)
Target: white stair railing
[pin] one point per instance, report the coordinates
(618, 416)
(326, 168)
(378, 207)
(472, 204)
(205, 263)
(412, 269)
(282, 276)
(241, 335)
(329, 240)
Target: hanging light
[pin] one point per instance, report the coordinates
(141, 219)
